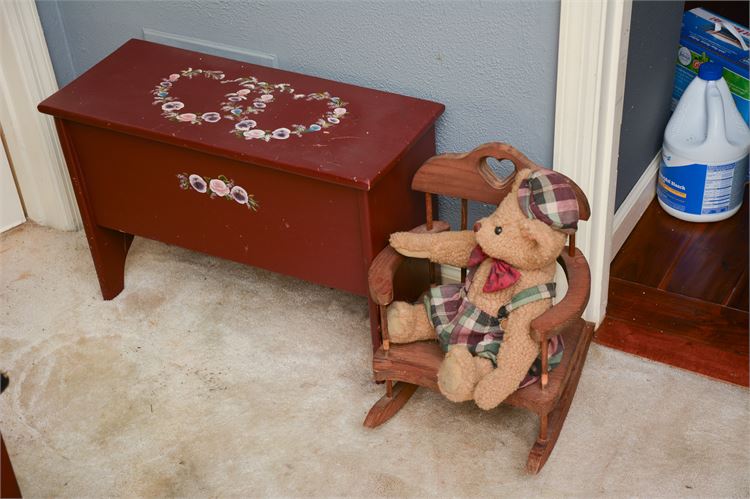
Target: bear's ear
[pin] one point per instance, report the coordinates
(541, 236)
(531, 231)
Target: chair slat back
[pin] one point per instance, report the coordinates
(468, 176)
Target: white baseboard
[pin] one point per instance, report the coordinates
(632, 209)
(450, 274)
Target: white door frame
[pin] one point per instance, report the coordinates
(591, 64)
(27, 78)
(11, 210)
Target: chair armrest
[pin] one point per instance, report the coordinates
(383, 268)
(566, 312)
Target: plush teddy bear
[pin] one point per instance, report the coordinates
(483, 325)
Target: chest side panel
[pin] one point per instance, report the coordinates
(259, 216)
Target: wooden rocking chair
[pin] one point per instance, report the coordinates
(405, 367)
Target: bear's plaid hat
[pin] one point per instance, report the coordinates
(548, 197)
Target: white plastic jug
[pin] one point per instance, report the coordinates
(704, 163)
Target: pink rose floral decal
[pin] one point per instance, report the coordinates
(220, 187)
(252, 98)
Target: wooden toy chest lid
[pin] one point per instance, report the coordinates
(310, 126)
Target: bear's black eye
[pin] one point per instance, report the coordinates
(498, 230)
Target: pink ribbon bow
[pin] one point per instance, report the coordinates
(502, 274)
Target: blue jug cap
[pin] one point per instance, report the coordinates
(710, 71)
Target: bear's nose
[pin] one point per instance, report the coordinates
(477, 226)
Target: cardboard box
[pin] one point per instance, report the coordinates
(705, 37)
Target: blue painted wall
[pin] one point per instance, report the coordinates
(654, 40)
(492, 63)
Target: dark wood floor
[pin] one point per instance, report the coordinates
(678, 294)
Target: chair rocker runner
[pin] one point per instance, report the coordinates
(404, 367)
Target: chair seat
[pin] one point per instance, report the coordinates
(418, 364)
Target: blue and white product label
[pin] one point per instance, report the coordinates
(702, 189)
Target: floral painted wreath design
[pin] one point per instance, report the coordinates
(220, 187)
(238, 107)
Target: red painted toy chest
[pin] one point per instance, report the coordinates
(279, 170)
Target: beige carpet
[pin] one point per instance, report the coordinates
(209, 378)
